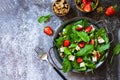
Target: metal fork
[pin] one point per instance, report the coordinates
(44, 57)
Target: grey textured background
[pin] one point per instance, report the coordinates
(20, 33)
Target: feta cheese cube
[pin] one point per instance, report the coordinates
(94, 58)
(62, 49)
(100, 40)
(82, 64)
(71, 57)
(77, 48)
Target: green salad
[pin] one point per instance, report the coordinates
(81, 46)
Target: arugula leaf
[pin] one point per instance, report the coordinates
(91, 65)
(103, 47)
(66, 65)
(44, 18)
(82, 69)
(84, 36)
(75, 65)
(75, 37)
(59, 41)
(116, 50)
(72, 45)
(100, 32)
(68, 30)
(85, 50)
(105, 38)
(83, 22)
(66, 51)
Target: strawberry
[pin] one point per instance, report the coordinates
(88, 29)
(81, 44)
(66, 43)
(84, 1)
(111, 10)
(92, 41)
(87, 8)
(48, 30)
(79, 29)
(79, 60)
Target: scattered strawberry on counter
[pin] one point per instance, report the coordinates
(111, 10)
(48, 30)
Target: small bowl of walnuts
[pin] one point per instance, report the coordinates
(86, 6)
(61, 7)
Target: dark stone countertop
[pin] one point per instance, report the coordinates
(20, 33)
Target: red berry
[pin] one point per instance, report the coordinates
(92, 41)
(79, 29)
(48, 30)
(79, 60)
(88, 29)
(87, 8)
(111, 10)
(66, 43)
(81, 44)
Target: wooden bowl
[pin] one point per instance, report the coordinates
(61, 7)
(79, 8)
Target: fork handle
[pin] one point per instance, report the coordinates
(62, 76)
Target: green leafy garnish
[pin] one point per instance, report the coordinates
(66, 65)
(59, 41)
(116, 50)
(103, 47)
(66, 51)
(85, 50)
(84, 36)
(44, 18)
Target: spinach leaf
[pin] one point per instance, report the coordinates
(75, 37)
(84, 36)
(66, 65)
(103, 47)
(105, 38)
(59, 41)
(75, 65)
(116, 50)
(85, 51)
(44, 18)
(72, 45)
(66, 51)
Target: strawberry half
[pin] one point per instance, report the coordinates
(88, 29)
(79, 29)
(48, 30)
(66, 43)
(111, 10)
(79, 60)
(81, 44)
(87, 8)
(92, 41)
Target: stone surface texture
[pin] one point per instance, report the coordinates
(20, 34)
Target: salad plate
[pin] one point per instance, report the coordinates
(80, 45)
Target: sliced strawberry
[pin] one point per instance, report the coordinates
(87, 8)
(79, 28)
(48, 30)
(111, 10)
(81, 44)
(88, 29)
(84, 1)
(79, 60)
(92, 41)
(66, 43)
(98, 55)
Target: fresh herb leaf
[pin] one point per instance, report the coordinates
(83, 22)
(103, 47)
(100, 32)
(59, 41)
(44, 18)
(84, 36)
(67, 30)
(116, 50)
(85, 50)
(66, 65)
(91, 65)
(66, 51)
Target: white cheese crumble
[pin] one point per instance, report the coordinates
(71, 57)
(94, 58)
(77, 48)
(100, 40)
(80, 26)
(62, 49)
(82, 64)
